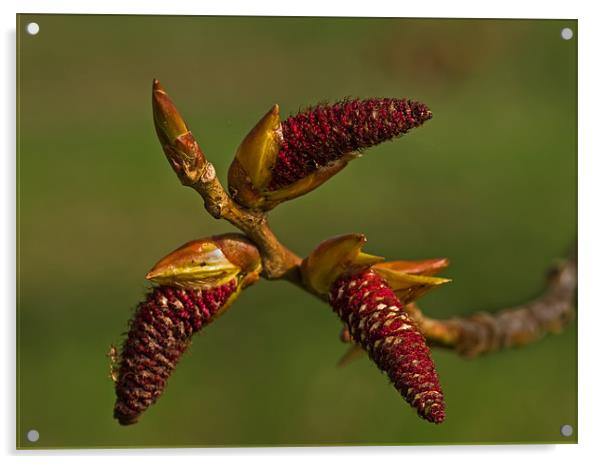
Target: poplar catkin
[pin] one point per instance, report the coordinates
(159, 334)
(324, 133)
(377, 321)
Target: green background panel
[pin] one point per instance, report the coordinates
(490, 182)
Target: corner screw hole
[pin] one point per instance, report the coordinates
(566, 33)
(566, 430)
(33, 435)
(32, 28)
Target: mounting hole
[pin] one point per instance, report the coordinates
(566, 33)
(32, 28)
(566, 430)
(33, 435)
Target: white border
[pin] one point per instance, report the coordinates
(590, 153)
(380, 8)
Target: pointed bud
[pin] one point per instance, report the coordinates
(180, 147)
(314, 145)
(251, 169)
(197, 282)
(207, 262)
(332, 258)
(199, 264)
(258, 151)
(168, 121)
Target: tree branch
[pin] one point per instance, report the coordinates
(470, 336)
(194, 170)
(485, 332)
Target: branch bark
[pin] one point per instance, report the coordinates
(486, 332)
(197, 172)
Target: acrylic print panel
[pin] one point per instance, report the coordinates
(488, 182)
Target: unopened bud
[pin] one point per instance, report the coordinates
(333, 257)
(179, 145)
(169, 124)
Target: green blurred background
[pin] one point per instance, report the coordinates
(490, 182)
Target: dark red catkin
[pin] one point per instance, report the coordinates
(324, 133)
(376, 321)
(159, 333)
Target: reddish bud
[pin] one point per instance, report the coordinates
(169, 124)
(376, 321)
(197, 282)
(159, 334)
(179, 145)
(313, 139)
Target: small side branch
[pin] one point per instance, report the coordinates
(277, 259)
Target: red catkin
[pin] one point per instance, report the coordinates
(376, 321)
(159, 333)
(324, 133)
